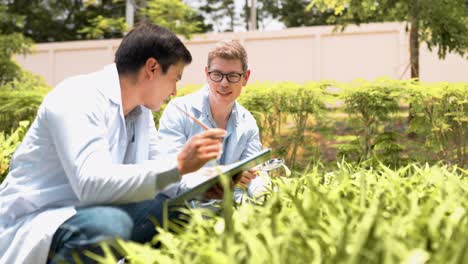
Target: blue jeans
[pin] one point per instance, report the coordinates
(103, 223)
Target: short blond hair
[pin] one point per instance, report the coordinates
(230, 50)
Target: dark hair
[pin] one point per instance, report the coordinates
(150, 41)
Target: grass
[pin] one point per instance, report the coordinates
(353, 214)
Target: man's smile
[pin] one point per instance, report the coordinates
(224, 93)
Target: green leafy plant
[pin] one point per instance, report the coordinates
(272, 105)
(100, 27)
(414, 214)
(20, 99)
(8, 145)
(387, 150)
(11, 43)
(174, 15)
(267, 102)
(303, 103)
(441, 114)
(372, 103)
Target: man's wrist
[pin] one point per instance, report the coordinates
(180, 166)
(164, 170)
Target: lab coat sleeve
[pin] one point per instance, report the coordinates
(79, 136)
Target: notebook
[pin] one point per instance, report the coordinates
(202, 185)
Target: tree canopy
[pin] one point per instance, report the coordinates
(65, 20)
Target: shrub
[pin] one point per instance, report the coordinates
(350, 215)
(20, 99)
(8, 145)
(440, 113)
(372, 104)
(272, 104)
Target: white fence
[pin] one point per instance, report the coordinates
(297, 54)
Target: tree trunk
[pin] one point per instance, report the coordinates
(247, 15)
(414, 42)
(253, 15)
(129, 13)
(414, 52)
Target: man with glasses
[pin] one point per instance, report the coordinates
(215, 105)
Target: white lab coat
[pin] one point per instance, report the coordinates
(72, 156)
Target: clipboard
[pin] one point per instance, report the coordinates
(231, 170)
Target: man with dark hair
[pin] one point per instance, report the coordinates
(141, 44)
(87, 170)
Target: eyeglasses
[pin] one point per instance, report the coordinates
(231, 77)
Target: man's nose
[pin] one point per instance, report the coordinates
(224, 81)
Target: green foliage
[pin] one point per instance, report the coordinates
(387, 150)
(441, 113)
(102, 26)
(266, 103)
(172, 14)
(20, 99)
(66, 20)
(292, 116)
(303, 102)
(372, 103)
(415, 214)
(271, 104)
(350, 151)
(8, 145)
(220, 12)
(11, 43)
(26, 80)
(294, 13)
(54, 20)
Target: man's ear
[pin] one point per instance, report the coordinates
(151, 66)
(206, 73)
(246, 77)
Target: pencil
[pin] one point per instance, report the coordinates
(192, 117)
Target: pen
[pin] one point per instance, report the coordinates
(192, 117)
(205, 127)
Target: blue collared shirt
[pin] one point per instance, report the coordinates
(175, 128)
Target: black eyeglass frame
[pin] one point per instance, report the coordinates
(238, 75)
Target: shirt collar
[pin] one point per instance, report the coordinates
(110, 87)
(134, 114)
(202, 104)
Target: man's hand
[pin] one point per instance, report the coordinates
(245, 178)
(215, 192)
(200, 149)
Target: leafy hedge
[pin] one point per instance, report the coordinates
(8, 145)
(376, 114)
(273, 104)
(20, 99)
(380, 117)
(350, 215)
(290, 116)
(441, 112)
